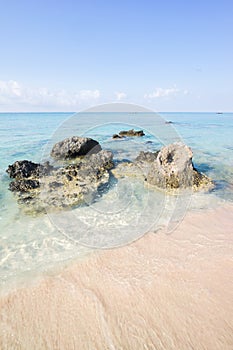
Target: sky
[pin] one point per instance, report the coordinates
(63, 55)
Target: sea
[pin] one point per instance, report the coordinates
(38, 244)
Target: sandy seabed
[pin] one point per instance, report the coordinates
(161, 292)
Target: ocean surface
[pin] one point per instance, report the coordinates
(31, 245)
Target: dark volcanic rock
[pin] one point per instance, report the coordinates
(73, 147)
(23, 185)
(25, 169)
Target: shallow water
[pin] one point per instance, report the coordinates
(163, 292)
(31, 245)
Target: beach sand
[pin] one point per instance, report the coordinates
(161, 292)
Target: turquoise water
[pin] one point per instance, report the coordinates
(31, 244)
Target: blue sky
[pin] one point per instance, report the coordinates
(67, 55)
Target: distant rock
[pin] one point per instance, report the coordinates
(116, 136)
(74, 146)
(131, 132)
(128, 133)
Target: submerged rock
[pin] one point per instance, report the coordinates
(148, 157)
(74, 146)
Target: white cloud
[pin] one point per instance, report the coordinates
(120, 95)
(88, 94)
(9, 88)
(160, 92)
(14, 94)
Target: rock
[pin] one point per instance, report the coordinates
(41, 187)
(128, 133)
(147, 157)
(144, 160)
(74, 146)
(173, 168)
(25, 169)
(116, 136)
(168, 169)
(65, 186)
(131, 132)
(201, 181)
(128, 169)
(23, 185)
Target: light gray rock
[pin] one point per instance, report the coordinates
(172, 168)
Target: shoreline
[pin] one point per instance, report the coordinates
(162, 291)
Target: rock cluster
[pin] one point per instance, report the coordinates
(43, 187)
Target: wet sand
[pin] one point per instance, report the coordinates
(162, 292)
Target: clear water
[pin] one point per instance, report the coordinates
(29, 245)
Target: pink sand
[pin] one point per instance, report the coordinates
(161, 292)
